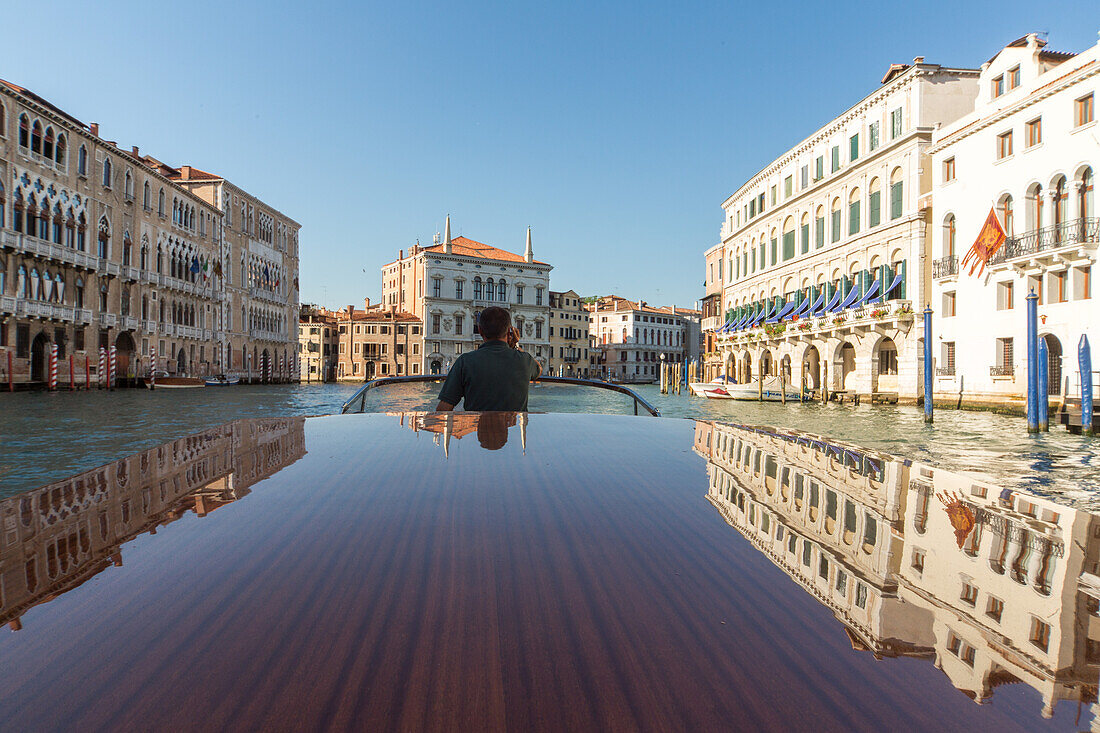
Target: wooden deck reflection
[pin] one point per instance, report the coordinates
(573, 577)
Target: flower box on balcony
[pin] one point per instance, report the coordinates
(804, 326)
(839, 320)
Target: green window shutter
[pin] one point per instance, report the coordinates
(853, 147)
(805, 238)
(788, 245)
(895, 200)
(874, 215)
(819, 234)
(775, 250)
(853, 217)
(836, 226)
(901, 286)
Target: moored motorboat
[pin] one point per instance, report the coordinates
(174, 382)
(772, 391)
(699, 389)
(222, 380)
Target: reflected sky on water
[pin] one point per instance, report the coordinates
(44, 437)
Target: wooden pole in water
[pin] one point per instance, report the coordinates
(959, 404)
(760, 381)
(802, 389)
(783, 385)
(824, 382)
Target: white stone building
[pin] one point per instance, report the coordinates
(634, 338)
(448, 284)
(1029, 150)
(832, 222)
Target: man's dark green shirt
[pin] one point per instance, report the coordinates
(495, 377)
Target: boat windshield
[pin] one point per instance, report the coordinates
(548, 394)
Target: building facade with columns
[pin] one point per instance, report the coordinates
(99, 249)
(812, 240)
(259, 266)
(449, 283)
(1029, 151)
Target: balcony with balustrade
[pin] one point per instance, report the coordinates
(1066, 242)
(20, 307)
(945, 267)
(108, 320)
(268, 295)
(26, 244)
(259, 334)
(128, 323)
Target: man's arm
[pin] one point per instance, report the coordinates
(452, 390)
(444, 406)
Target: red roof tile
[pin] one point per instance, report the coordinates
(469, 248)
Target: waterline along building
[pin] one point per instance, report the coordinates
(821, 263)
(103, 248)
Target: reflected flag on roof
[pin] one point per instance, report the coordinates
(989, 240)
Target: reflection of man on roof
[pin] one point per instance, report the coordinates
(497, 376)
(492, 429)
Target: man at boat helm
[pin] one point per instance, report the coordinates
(497, 376)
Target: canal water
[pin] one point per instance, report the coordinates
(48, 436)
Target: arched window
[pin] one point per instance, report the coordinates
(47, 145)
(59, 153)
(1084, 195)
(502, 291)
(949, 235)
(835, 223)
(853, 212)
(128, 188)
(804, 234)
(78, 293)
(3, 214)
(490, 289)
(104, 237)
(788, 238)
(103, 293)
(127, 248)
(1061, 198)
(819, 227)
(81, 229)
(82, 161)
(146, 201)
(1035, 207)
(3, 122)
(57, 224)
(107, 172)
(36, 137)
(44, 221)
(477, 288)
(24, 131)
(160, 202)
(1006, 215)
(896, 193)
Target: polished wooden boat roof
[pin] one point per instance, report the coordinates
(409, 572)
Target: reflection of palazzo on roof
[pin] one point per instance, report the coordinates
(994, 587)
(491, 427)
(57, 537)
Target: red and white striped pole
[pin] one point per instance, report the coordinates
(152, 366)
(53, 366)
(101, 375)
(111, 368)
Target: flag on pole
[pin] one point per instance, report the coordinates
(989, 240)
(205, 268)
(218, 269)
(195, 265)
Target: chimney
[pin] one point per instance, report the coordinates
(185, 172)
(528, 254)
(918, 60)
(366, 303)
(351, 311)
(135, 152)
(400, 254)
(447, 249)
(93, 127)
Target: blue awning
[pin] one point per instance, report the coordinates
(818, 303)
(759, 317)
(805, 306)
(894, 284)
(871, 293)
(834, 302)
(739, 324)
(785, 311)
(853, 296)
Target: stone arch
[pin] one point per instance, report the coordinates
(40, 357)
(1054, 363)
(811, 360)
(884, 366)
(126, 361)
(844, 366)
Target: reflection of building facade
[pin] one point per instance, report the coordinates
(1029, 150)
(57, 537)
(491, 428)
(993, 586)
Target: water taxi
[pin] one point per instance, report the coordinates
(427, 571)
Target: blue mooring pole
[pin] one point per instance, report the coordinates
(1043, 402)
(1084, 362)
(1032, 362)
(927, 363)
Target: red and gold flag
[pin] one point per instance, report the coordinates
(989, 240)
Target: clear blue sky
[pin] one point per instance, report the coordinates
(615, 130)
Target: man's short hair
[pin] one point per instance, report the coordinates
(494, 322)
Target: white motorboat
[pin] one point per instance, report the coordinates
(699, 389)
(222, 380)
(772, 391)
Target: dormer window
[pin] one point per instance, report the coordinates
(998, 86)
(1013, 78)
